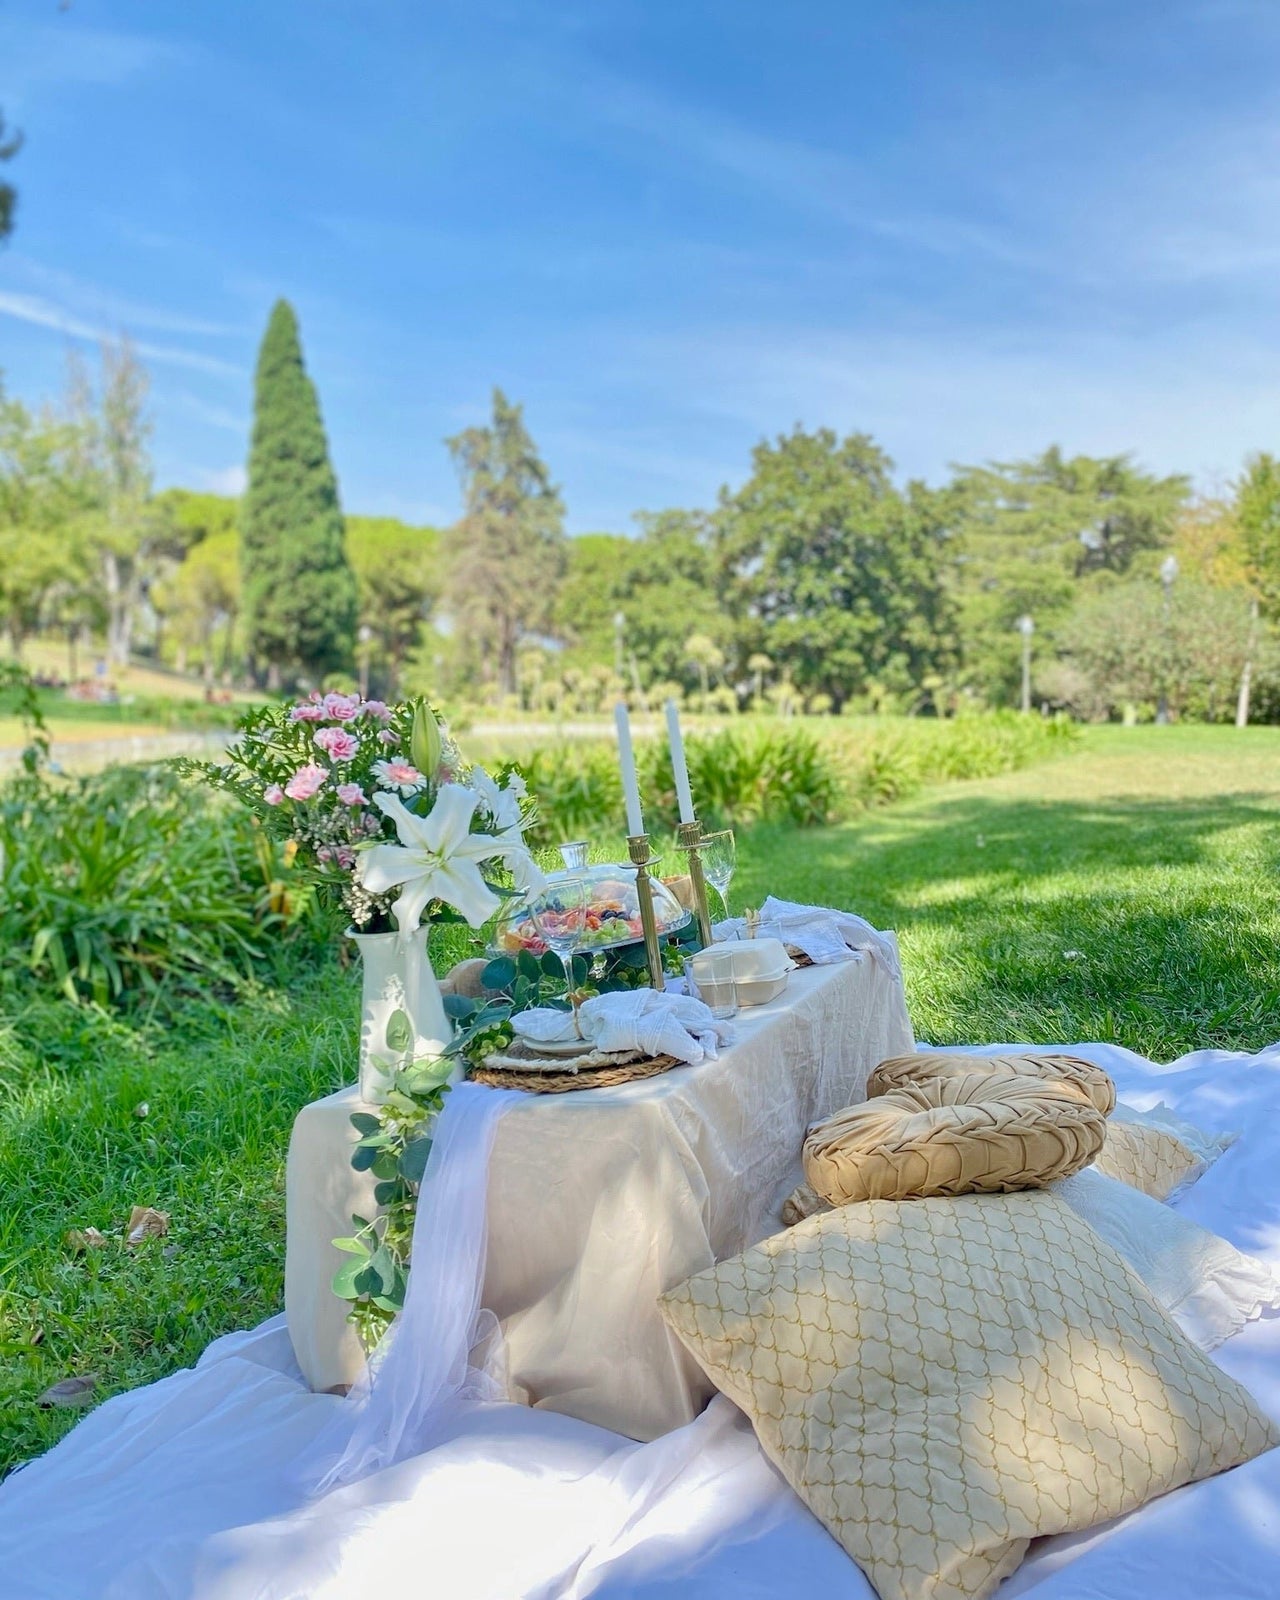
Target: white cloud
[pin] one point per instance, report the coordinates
(53, 56)
(42, 313)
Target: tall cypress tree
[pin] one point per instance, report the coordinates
(299, 591)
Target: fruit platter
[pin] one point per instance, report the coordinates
(613, 913)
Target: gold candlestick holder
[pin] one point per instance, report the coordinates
(689, 839)
(641, 859)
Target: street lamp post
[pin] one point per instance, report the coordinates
(1168, 573)
(1026, 627)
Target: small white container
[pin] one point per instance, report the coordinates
(759, 968)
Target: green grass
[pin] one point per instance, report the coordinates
(1152, 852)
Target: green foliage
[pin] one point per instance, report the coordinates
(9, 148)
(508, 551)
(126, 885)
(400, 574)
(1258, 513)
(1032, 536)
(1127, 645)
(784, 771)
(19, 692)
(832, 572)
(299, 591)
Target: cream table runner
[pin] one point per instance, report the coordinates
(598, 1201)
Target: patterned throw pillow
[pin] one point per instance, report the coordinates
(965, 1134)
(898, 1071)
(1158, 1152)
(943, 1381)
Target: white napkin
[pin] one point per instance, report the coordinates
(824, 934)
(637, 1019)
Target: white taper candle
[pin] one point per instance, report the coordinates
(630, 787)
(678, 763)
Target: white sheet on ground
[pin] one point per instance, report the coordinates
(187, 1490)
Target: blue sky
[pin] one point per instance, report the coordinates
(969, 228)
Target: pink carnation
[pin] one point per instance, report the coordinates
(337, 742)
(307, 712)
(351, 794)
(387, 737)
(306, 782)
(273, 794)
(402, 775)
(377, 708)
(346, 857)
(342, 707)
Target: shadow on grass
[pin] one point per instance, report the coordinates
(1153, 923)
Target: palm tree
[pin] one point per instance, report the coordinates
(708, 657)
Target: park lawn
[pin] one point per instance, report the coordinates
(1124, 891)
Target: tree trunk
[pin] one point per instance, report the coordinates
(117, 609)
(1246, 675)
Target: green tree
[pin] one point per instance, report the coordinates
(508, 549)
(8, 194)
(44, 496)
(1258, 517)
(831, 571)
(662, 584)
(1033, 536)
(398, 572)
(299, 592)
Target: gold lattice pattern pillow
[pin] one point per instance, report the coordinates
(944, 1381)
(1150, 1158)
(964, 1134)
(898, 1071)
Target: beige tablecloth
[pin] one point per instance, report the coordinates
(602, 1199)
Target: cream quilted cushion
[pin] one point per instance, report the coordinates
(944, 1381)
(901, 1070)
(955, 1135)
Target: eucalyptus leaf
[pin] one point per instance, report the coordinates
(528, 966)
(384, 1164)
(365, 1122)
(581, 969)
(381, 1263)
(413, 1159)
(399, 1032)
(363, 1157)
(354, 1247)
(499, 974)
(550, 965)
(388, 1191)
(459, 1007)
(633, 955)
(344, 1279)
(366, 1280)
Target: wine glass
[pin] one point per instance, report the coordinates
(719, 862)
(559, 916)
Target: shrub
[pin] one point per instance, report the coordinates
(128, 883)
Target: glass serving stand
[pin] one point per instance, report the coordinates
(613, 912)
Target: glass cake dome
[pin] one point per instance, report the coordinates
(613, 914)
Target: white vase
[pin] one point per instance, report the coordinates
(397, 978)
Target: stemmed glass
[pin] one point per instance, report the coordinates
(559, 915)
(719, 862)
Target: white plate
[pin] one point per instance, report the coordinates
(567, 1044)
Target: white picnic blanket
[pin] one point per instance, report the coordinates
(186, 1490)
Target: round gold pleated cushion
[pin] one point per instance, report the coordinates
(901, 1070)
(972, 1133)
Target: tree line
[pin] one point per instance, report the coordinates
(822, 583)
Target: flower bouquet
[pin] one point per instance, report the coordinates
(387, 817)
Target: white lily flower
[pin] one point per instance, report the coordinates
(438, 858)
(502, 806)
